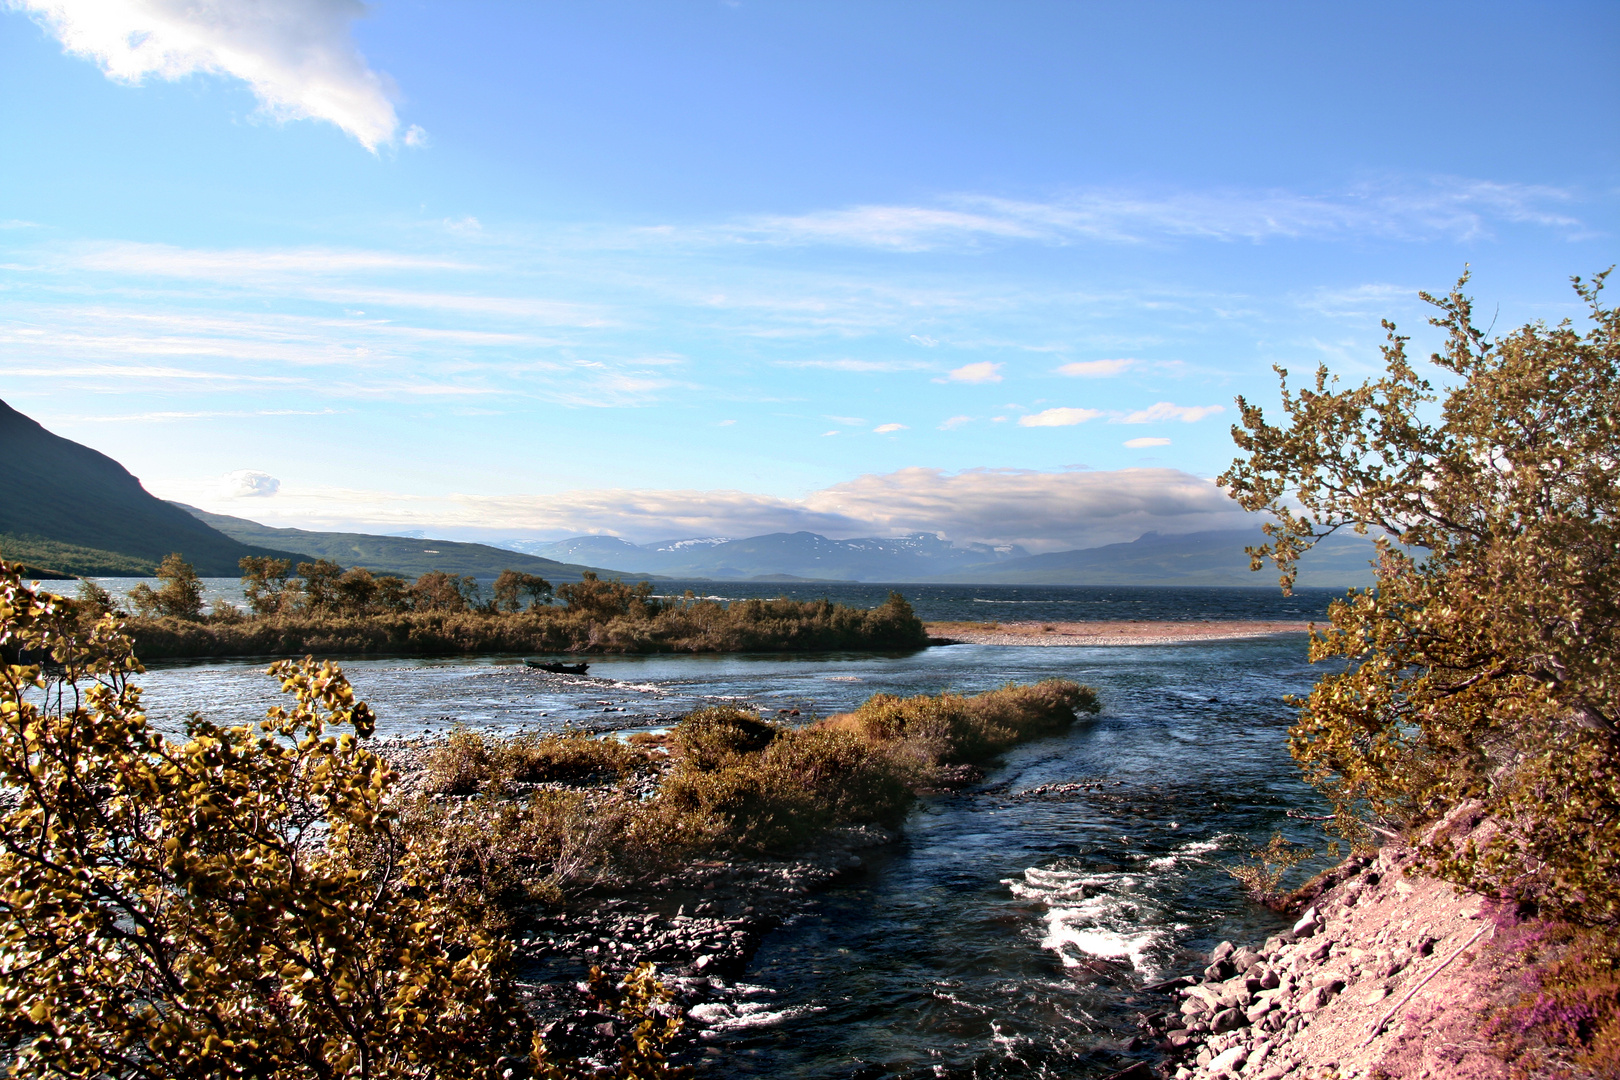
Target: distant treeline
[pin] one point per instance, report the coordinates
(329, 611)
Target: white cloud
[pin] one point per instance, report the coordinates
(1401, 208)
(1042, 510)
(884, 429)
(1143, 444)
(1165, 411)
(248, 264)
(955, 422)
(248, 484)
(982, 372)
(1096, 369)
(856, 365)
(297, 55)
(1058, 417)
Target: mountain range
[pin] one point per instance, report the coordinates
(68, 509)
(1201, 558)
(801, 555)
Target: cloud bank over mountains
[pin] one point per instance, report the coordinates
(1041, 510)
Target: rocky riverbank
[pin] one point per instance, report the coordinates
(1385, 975)
(699, 925)
(1121, 632)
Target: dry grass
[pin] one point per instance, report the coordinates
(733, 784)
(469, 761)
(947, 729)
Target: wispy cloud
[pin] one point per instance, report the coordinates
(1143, 444)
(857, 365)
(296, 55)
(1096, 369)
(1058, 417)
(955, 422)
(885, 429)
(1164, 411)
(250, 264)
(982, 372)
(1396, 208)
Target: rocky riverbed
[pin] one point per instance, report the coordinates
(1385, 975)
(699, 926)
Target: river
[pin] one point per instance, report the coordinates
(1007, 934)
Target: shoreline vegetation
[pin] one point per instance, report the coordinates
(322, 900)
(326, 610)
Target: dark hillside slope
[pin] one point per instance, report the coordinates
(73, 509)
(403, 555)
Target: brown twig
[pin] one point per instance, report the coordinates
(1378, 1028)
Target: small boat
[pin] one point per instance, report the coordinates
(557, 668)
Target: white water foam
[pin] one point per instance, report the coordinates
(1116, 915)
(741, 1015)
(1195, 849)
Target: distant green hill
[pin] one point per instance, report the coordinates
(68, 508)
(401, 555)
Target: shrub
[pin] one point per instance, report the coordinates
(238, 903)
(709, 737)
(951, 729)
(1262, 873)
(1486, 662)
(1565, 1019)
(180, 597)
(244, 902)
(469, 761)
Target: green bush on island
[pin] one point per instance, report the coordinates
(1485, 664)
(327, 610)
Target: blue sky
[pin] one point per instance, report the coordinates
(668, 269)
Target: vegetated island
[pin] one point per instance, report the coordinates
(326, 610)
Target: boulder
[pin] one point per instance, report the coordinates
(1316, 999)
(1228, 1061)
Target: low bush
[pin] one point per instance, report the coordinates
(707, 737)
(951, 729)
(469, 761)
(734, 785)
(1564, 1018)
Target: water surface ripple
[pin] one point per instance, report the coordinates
(1006, 935)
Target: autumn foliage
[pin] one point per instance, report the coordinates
(1485, 664)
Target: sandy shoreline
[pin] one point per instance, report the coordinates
(1124, 632)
